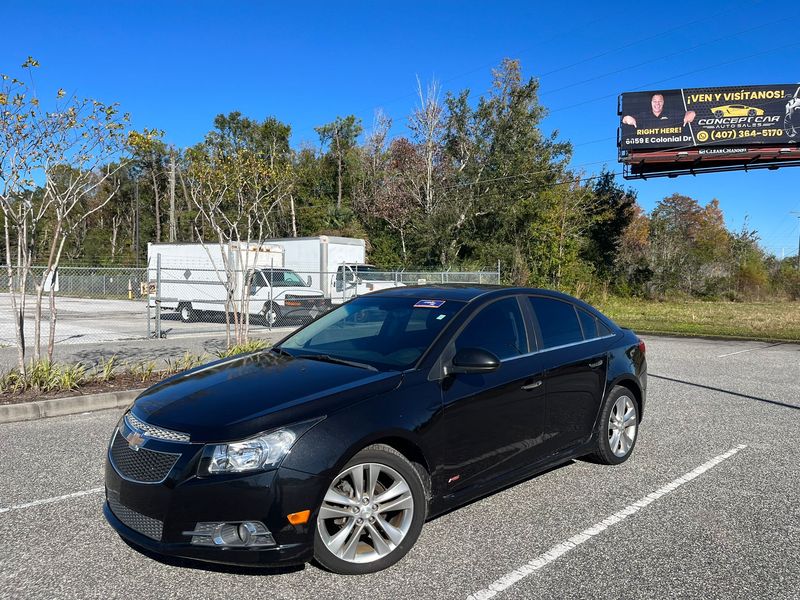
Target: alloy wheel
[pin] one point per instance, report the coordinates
(622, 424)
(366, 513)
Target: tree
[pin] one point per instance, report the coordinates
(151, 154)
(633, 252)
(505, 177)
(613, 210)
(237, 194)
(54, 163)
(340, 136)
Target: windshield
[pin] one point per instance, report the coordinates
(387, 333)
(372, 274)
(281, 278)
(365, 273)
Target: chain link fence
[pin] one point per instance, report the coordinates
(108, 304)
(189, 299)
(93, 304)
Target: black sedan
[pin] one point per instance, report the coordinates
(342, 439)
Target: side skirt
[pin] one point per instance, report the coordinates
(441, 504)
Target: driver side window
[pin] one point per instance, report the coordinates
(498, 328)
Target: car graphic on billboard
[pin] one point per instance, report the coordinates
(791, 122)
(736, 110)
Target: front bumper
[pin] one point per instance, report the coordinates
(305, 307)
(156, 516)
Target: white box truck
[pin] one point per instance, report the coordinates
(192, 278)
(335, 265)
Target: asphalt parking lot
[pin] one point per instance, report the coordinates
(90, 320)
(706, 507)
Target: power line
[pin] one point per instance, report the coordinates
(663, 56)
(653, 83)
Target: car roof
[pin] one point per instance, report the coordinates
(468, 292)
(464, 292)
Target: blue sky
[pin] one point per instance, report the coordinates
(175, 65)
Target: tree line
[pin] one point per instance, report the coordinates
(475, 180)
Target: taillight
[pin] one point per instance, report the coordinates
(642, 347)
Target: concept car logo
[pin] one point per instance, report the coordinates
(135, 440)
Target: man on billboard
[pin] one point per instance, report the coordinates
(659, 115)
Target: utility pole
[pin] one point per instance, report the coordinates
(136, 224)
(797, 214)
(173, 233)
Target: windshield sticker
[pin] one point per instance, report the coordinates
(429, 303)
(440, 317)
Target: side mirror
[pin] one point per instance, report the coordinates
(308, 281)
(473, 360)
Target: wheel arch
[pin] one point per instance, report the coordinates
(400, 440)
(413, 453)
(629, 382)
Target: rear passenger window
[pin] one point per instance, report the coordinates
(498, 328)
(557, 321)
(588, 323)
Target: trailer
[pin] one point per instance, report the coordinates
(335, 265)
(248, 277)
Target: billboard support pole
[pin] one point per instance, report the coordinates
(158, 296)
(797, 214)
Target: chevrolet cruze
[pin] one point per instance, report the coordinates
(342, 439)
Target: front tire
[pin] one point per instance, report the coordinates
(186, 312)
(272, 314)
(788, 126)
(372, 513)
(618, 427)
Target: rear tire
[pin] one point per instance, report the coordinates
(618, 427)
(360, 531)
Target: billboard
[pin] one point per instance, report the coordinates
(709, 126)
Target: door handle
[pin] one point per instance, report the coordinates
(595, 364)
(532, 386)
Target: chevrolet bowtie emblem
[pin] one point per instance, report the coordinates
(135, 440)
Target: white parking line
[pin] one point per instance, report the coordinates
(51, 500)
(509, 579)
(750, 350)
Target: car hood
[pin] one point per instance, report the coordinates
(235, 398)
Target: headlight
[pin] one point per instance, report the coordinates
(256, 453)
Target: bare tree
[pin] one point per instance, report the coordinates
(236, 194)
(390, 186)
(427, 129)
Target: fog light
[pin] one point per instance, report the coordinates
(231, 535)
(246, 532)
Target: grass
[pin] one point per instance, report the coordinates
(775, 320)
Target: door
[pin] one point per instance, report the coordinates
(575, 369)
(492, 420)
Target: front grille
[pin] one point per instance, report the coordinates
(306, 301)
(143, 465)
(152, 528)
(152, 431)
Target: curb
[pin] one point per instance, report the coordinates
(716, 337)
(57, 407)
